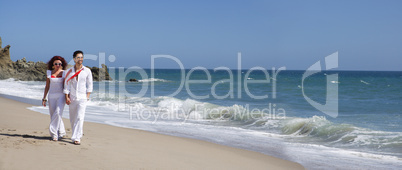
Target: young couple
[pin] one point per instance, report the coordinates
(71, 87)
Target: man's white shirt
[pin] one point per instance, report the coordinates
(78, 89)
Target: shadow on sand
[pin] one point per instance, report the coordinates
(34, 137)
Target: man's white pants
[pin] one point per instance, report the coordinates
(77, 114)
(56, 107)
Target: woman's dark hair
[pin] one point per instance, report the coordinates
(77, 52)
(50, 63)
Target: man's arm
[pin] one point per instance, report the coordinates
(89, 84)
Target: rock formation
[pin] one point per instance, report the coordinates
(100, 73)
(31, 71)
(20, 69)
(4, 55)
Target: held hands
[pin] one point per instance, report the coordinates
(68, 101)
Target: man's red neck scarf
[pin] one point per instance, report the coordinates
(76, 74)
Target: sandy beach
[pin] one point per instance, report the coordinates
(25, 143)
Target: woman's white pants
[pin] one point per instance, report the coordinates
(56, 107)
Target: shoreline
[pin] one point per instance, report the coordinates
(24, 136)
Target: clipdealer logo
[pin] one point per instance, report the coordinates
(331, 106)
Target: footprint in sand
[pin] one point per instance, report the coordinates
(16, 143)
(30, 142)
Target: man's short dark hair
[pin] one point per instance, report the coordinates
(77, 52)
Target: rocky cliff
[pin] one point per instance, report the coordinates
(34, 71)
(100, 73)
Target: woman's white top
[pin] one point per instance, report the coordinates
(56, 85)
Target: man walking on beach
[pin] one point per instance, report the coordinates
(77, 88)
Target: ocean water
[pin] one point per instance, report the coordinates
(261, 110)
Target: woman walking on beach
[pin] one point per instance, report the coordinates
(54, 86)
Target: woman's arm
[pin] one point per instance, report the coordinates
(46, 91)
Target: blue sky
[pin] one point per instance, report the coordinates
(294, 34)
